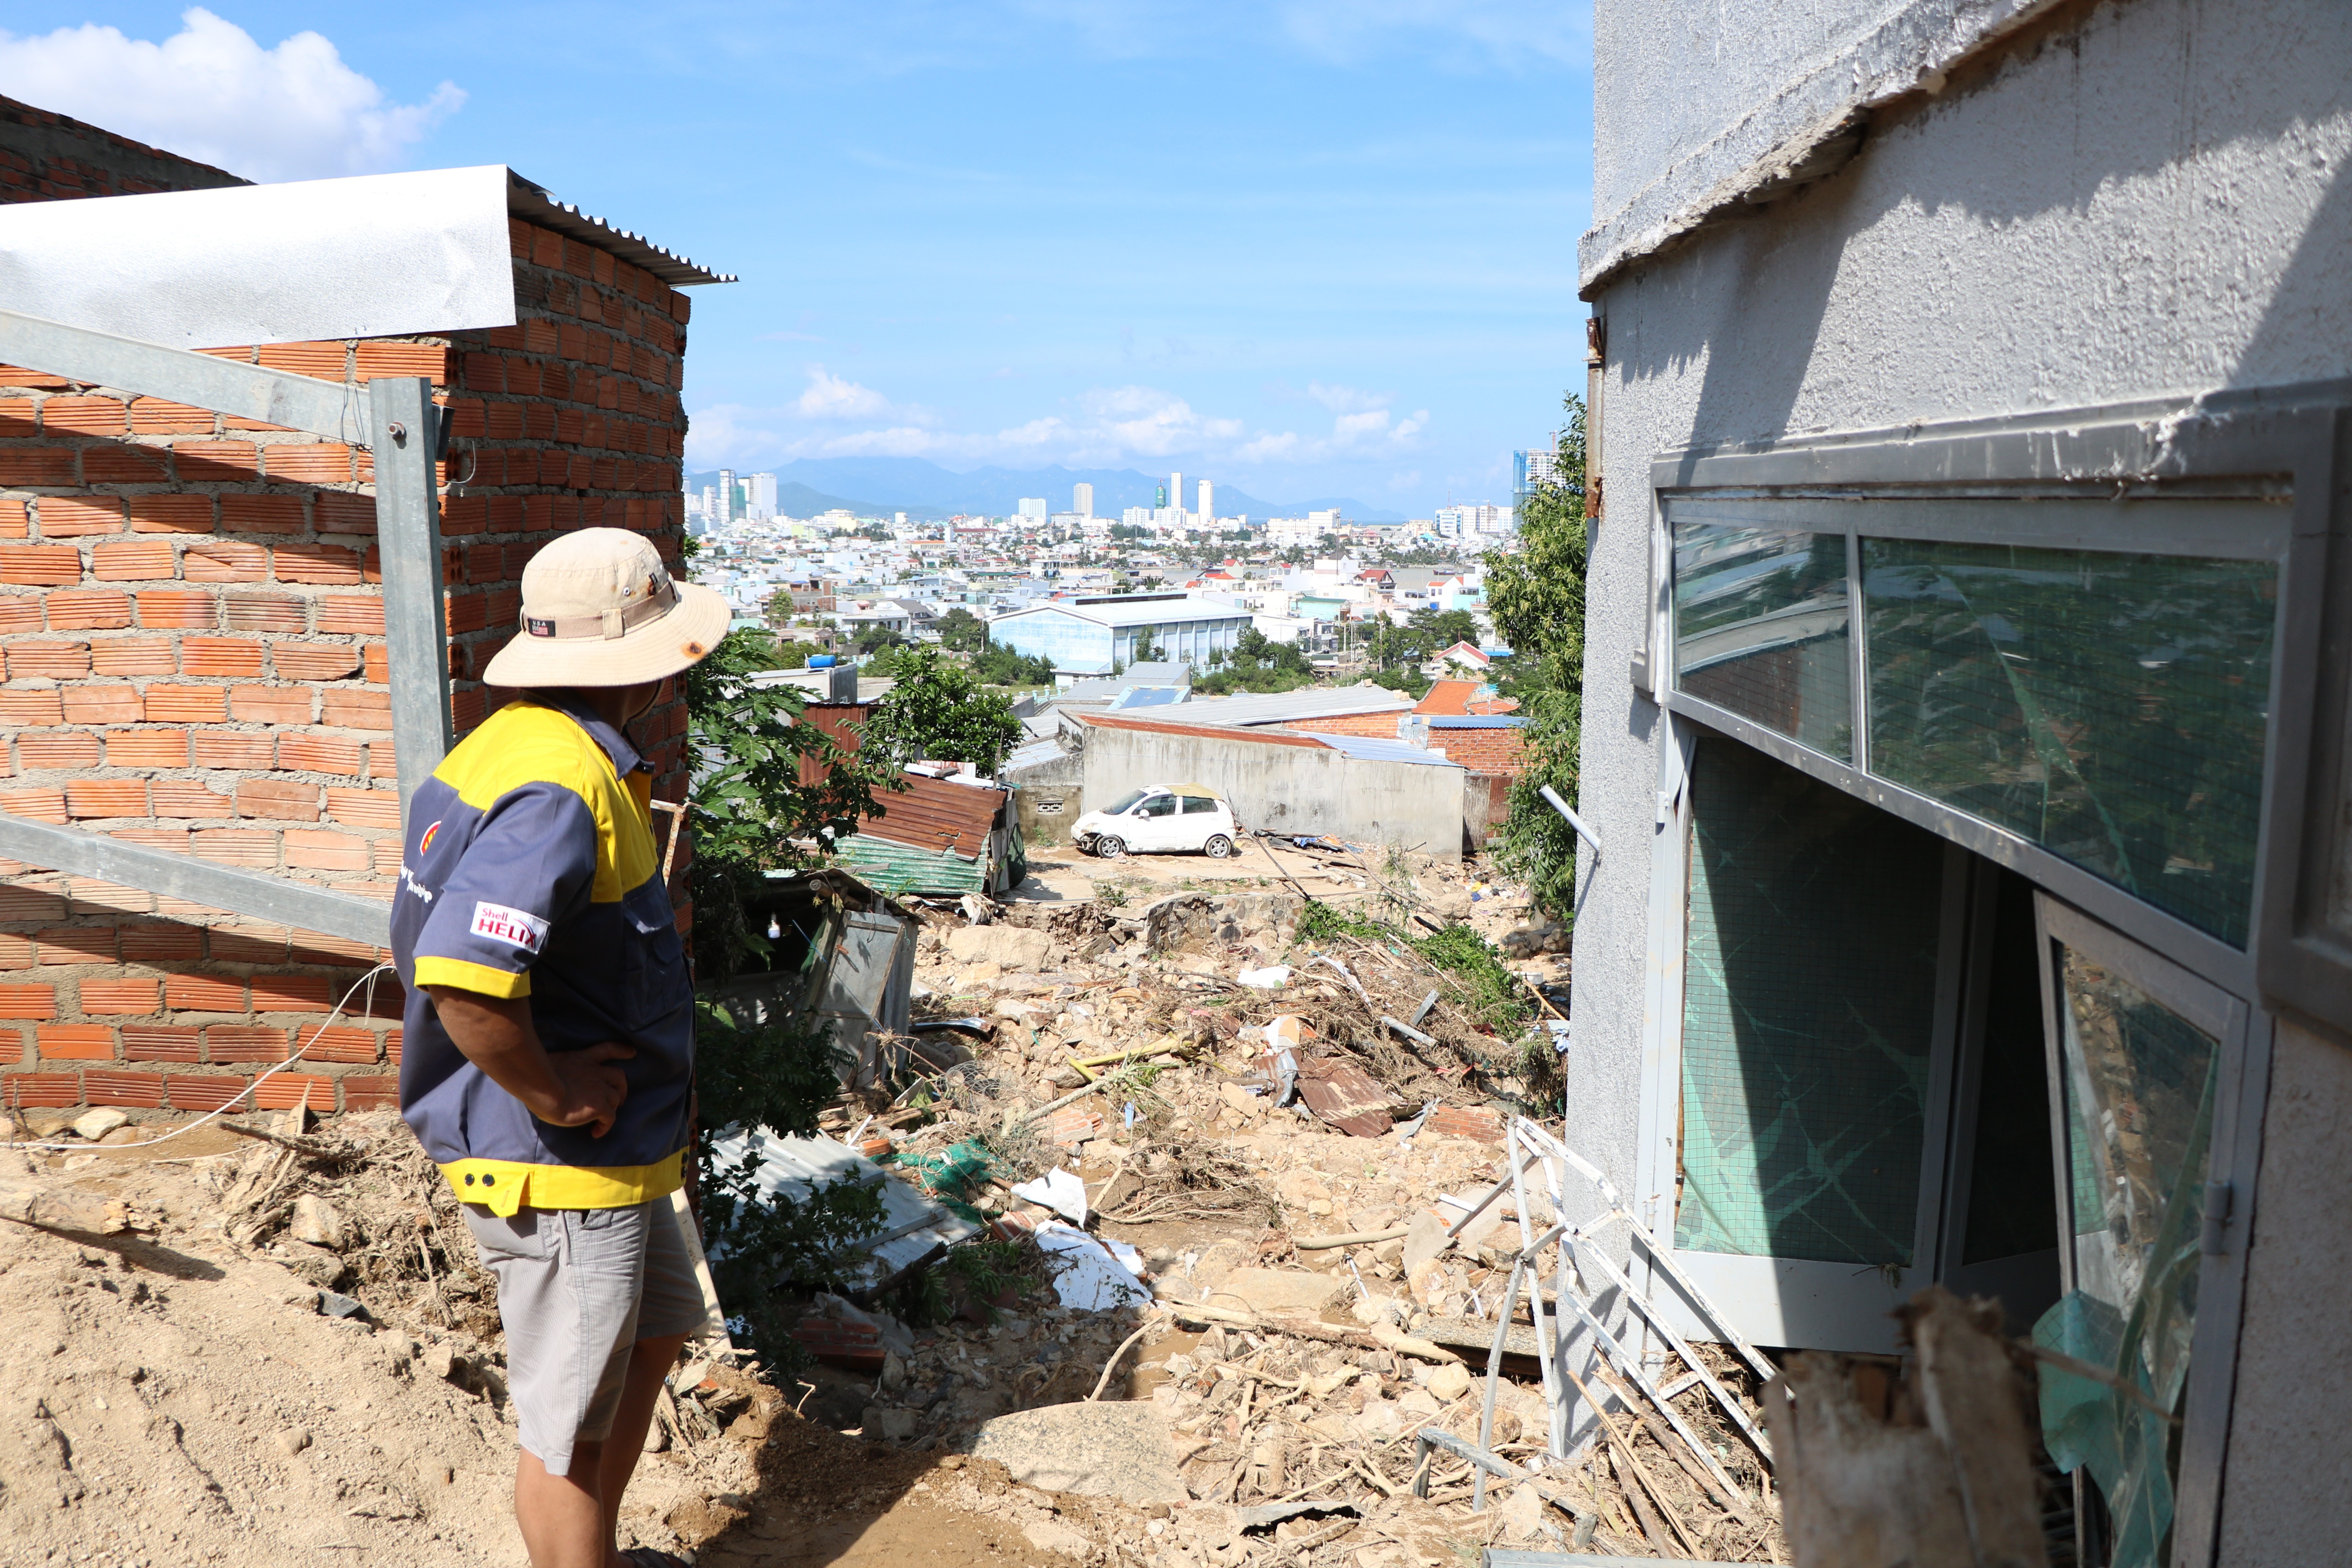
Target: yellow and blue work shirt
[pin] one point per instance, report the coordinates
(529, 870)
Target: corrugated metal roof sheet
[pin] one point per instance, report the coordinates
(932, 814)
(1028, 756)
(1147, 697)
(1365, 747)
(900, 868)
(1307, 702)
(1149, 612)
(530, 201)
(1478, 721)
(912, 1228)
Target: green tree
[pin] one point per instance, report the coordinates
(1536, 595)
(940, 710)
(748, 805)
(961, 631)
(874, 636)
(779, 609)
(1145, 647)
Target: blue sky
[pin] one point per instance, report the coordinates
(1302, 247)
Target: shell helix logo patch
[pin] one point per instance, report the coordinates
(424, 845)
(516, 928)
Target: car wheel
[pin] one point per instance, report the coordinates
(1220, 847)
(1110, 848)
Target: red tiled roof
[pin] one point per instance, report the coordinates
(1450, 697)
(932, 814)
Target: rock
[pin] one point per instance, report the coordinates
(889, 1424)
(440, 1361)
(122, 1137)
(292, 1441)
(313, 1265)
(1424, 1238)
(332, 1304)
(1418, 1405)
(1276, 1290)
(318, 1222)
(1244, 1104)
(1012, 947)
(1045, 1534)
(96, 1124)
(1113, 1448)
(46, 1123)
(1521, 1517)
(1450, 1382)
(894, 1373)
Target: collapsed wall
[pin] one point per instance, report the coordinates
(191, 654)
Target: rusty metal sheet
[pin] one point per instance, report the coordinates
(1344, 1095)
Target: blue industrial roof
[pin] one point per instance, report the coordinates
(1147, 697)
(1376, 750)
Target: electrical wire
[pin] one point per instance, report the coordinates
(367, 980)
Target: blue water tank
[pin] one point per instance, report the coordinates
(823, 660)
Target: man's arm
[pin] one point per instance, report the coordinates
(565, 1088)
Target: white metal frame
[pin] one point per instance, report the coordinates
(400, 424)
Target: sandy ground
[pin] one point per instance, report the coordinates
(174, 1394)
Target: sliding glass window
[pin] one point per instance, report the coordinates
(1763, 627)
(2092, 675)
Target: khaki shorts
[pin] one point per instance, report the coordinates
(577, 1289)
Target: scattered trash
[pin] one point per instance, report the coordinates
(1095, 1274)
(1059, 1190)
(1273, 977)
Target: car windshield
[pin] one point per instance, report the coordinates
(1118, 807)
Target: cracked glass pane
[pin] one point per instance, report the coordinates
(1763, 629)
(1809, 1006)
(2110, 708)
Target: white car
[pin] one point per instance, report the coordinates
(1160, 818)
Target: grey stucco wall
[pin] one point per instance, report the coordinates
(2289, 1472)
(1290, 789)
(2155, 202)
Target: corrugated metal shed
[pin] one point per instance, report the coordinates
(896, 867)
(932, 814)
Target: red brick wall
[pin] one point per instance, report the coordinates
(192, 657)
(1481, 751)
(47, 157)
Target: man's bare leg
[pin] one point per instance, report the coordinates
(649, 1362)
(562, 1517)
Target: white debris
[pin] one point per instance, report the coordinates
(1060, 1191)
(1096, 1274)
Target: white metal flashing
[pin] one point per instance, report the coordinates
(377, 256)
(1803, 131)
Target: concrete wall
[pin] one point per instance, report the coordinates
(1048, 798)
(2289, 1468)
(2153, 199)
(1290, 788)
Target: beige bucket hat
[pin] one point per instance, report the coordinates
(599, 608)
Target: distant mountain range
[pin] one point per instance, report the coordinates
(926, 491)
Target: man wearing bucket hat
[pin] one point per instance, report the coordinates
(548, 1055)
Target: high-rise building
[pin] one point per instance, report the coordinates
(1034, 507)
(1175, 493)
(1160, 498)
(761, 490)
(727, 513)
(1208, 504)
(1081, 500)
(1135, 517)
(1531, 468)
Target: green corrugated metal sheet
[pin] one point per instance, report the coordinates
(894, 868)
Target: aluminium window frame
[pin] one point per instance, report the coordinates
(2281, 445)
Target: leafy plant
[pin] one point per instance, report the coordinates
(778, 1076)
(937, 709)
(750, 801)
(961, 631)
(1536, 595)
(781, 1244)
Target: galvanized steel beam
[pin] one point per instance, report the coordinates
(306, 905)
(324, 408)
(406, 429)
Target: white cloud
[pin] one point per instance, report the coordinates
(213, 93)
(1104, 425)
(1347, 399)
(830, 396)
(1507, 33)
